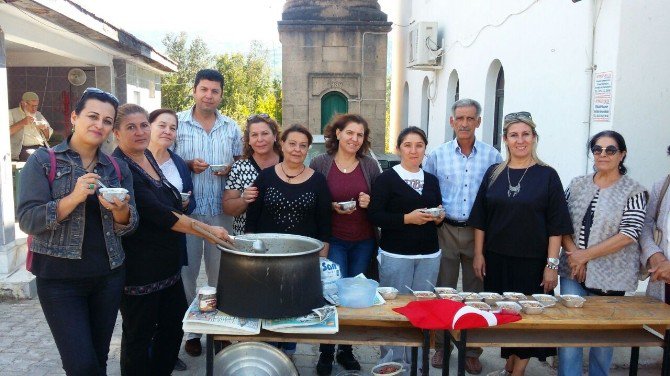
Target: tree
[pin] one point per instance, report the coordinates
(248, 84)
(190, 58)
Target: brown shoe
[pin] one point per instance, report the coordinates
(438, 359)
(473, 365)
(193, 347)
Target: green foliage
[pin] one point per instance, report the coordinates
(190, 58)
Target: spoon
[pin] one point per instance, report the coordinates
(101, 185)
(259, 246)
(432, 285)
(410, 290)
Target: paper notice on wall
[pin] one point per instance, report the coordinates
(602, 96)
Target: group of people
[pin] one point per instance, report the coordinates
(141, 255)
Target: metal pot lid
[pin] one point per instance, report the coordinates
(278, 245)
(253, 358)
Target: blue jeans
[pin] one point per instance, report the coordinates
(570, 358)
(81, 314)
(353, 259)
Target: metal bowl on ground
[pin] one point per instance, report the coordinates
(253, 359)
(284, 282)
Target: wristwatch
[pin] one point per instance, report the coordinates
(552, 263)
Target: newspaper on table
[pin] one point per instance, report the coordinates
(218, 322)
(322, 320)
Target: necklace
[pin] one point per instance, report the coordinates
(348, 167)
(90, 163)
(289, 177)
(513, 190)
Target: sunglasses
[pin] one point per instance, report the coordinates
(257, 116)
(96, 91)
(518, 115)
(610, 150)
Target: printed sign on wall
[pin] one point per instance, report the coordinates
(602, 96)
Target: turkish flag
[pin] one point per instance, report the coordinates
(448, 314)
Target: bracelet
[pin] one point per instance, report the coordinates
(551, 266)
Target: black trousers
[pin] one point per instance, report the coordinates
(152, 331)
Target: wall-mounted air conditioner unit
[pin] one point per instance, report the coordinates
(423, 48)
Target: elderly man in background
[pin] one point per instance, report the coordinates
(460, 165)
(28, 129)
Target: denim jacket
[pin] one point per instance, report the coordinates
(38, 201)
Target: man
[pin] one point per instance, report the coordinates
(460, 165)
(205, 137)
(28, 129)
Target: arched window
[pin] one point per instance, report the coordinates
(452, 96)
(425, 105)
(405, 106)
(493, 104)
(332, 103)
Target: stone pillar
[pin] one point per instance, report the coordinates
(120, 86)
(15, 281)
(105, 81)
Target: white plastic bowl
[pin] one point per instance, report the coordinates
(184, 196)
(388, 293)
(347, 205)
(218, 167)
(109, 193)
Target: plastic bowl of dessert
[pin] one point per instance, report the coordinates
(491, 298)
(110, 193)
(435, 212)
(388, 293)
(514, 296)
(531, 307)
(445, 290)
(479, 305)
(471, 296)
(424, 295)
(546, 299)
(509, 307)
(219, 167)
(572, 301)
(454, 297)
(347, 205)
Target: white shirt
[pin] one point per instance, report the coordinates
(172, 174)
(413, 179)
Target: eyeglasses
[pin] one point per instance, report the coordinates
(518, 115)
(598, 150)
(257, 116)
(96, 91)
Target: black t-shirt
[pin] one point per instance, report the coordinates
(94, 260)
(298, 209)
(521, 225)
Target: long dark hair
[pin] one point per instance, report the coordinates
(621, 144)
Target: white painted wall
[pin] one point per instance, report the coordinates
(546, 49)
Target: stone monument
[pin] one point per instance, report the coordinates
(334, 61)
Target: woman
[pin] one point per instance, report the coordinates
(292, 198)
(602, 257)
(77, 252)
(519, 216)
(164, 124)
(261, 150)
(349, 172)
(655, 253)
(153, 302)
(409, 254)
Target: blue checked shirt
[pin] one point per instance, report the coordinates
(219, 146)
(460, 175)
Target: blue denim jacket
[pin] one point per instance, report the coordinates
(38, 201)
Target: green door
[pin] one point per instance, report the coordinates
(332, 103)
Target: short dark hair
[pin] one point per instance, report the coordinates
(96, 94)
(409, 130)
(128, 109)
(297, 128)
(620, 142)
(209, 75)
(156, 113)
(340, 122)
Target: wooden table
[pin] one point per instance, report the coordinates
(627, 321)
(373, 326)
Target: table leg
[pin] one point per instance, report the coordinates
(209, 349)
(425, 364)
(447, 354)
(461, 353)
(415, 361)
(634, 357)
(665, 370)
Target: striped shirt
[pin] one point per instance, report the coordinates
(219, 146)
(460, 175)
(631, 221)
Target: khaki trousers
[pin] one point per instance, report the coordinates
(458, 247)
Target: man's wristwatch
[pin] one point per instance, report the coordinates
(552, 263)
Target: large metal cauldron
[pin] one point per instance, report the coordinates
(284, 282)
